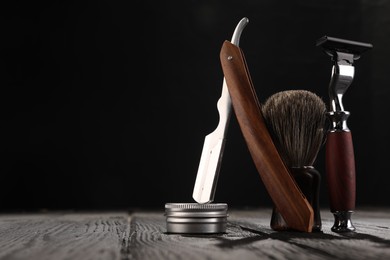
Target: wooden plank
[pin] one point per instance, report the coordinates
(250, 237)
(64, 236)
(114, 235)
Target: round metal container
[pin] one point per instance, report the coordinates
(194, 218)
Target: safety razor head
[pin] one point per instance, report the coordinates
(343, 53)
(335, 47)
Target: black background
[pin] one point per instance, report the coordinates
(105, 104)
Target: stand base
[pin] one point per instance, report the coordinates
(342, 222)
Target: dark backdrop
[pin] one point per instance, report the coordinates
(105, 104)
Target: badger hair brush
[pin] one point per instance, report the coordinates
(296, 120)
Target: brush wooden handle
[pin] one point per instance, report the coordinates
(340, 171)
(281, 187)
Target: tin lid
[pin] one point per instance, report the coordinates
(196, 218)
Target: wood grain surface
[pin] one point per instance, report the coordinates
(142, 235)
(64, 236)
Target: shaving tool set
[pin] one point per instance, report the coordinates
(283, 146)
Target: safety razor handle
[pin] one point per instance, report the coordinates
(340, 169)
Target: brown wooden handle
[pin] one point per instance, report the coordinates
(340, 171)
(281, 187)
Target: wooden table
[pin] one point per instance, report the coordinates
(142, 235)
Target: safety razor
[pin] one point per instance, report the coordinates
(339, 151)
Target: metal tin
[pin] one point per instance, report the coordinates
(194, 218)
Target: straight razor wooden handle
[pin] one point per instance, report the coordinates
(284, 192)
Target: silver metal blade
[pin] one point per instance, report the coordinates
(214, 143)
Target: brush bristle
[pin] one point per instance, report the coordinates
(296, 120)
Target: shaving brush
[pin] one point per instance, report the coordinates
(296, 120)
